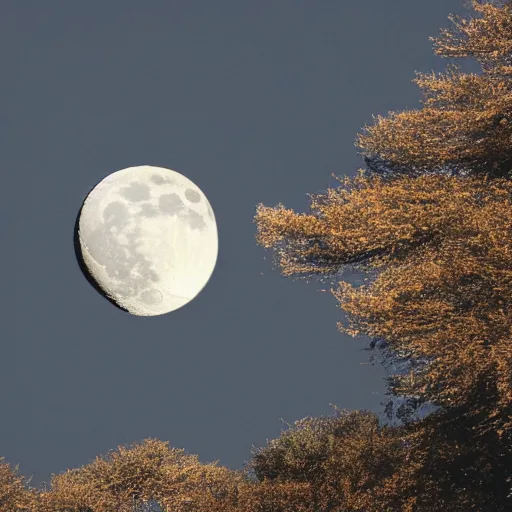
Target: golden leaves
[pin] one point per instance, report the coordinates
(13, 493)
(136, 474)
(487, 38)
(466, 117)
(445, 291)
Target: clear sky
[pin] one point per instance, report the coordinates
(255, 101)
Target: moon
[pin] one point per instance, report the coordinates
(146, 238)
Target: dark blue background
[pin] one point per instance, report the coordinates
(253, 101)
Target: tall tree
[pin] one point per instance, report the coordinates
(432, 215)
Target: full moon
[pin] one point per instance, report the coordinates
(147, 239)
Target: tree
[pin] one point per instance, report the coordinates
(432, 214)
(443, 296)
(349, 461)
(466, 121)
(13, 492)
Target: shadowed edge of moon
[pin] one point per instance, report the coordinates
(80, 258)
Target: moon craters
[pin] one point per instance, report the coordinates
(195, 221)
(115, 214)
(151, 297)
(136, 192)
(192, 195)
(148, 239)
(148, 210)
(158, 180)
(170, 203)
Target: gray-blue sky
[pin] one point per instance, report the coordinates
(253, 101)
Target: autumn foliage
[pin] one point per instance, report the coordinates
(444, 247)
(430, 220)
(466, 119)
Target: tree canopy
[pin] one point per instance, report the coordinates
(465, 124)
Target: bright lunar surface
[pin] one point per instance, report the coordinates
(148, 239)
